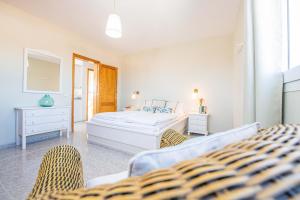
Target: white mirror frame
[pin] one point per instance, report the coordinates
(27, 52)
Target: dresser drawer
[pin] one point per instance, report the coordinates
(45, 119)
(38, 120)
(198, 117)
(202, 130)
(32, 130)
(197, 127)
(198, 122)
(45, 112)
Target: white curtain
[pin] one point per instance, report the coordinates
(264, 61)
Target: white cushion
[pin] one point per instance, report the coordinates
(172, 105)
(148, 103)
(156, 159)
(107, 179)
(147, 106)
(158, 103)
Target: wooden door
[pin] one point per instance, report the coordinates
(107, 96)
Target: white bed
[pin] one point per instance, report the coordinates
(133, 131)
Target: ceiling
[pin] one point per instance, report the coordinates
(146, 23)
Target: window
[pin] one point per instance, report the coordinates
(294, 33)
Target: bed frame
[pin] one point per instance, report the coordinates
(128, 140)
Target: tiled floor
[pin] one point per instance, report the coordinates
(19, 168)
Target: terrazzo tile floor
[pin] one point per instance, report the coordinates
(19, 168)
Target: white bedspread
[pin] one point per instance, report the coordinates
(137, 117)
(142, 122)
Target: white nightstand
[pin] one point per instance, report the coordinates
(198, 123)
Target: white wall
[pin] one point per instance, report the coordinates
(239, 68)
(172, 72)
(265, 58)
(269, 60)
(20, 30)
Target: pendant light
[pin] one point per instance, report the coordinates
(114, 25)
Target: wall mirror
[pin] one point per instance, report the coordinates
(42, 72)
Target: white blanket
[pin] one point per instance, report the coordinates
(146, 129)
(137, 117)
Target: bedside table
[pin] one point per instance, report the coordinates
(198, 123)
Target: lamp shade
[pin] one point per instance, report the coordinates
(133, 96)
(195, 94)
(114, 26)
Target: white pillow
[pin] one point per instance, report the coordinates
(156, 159)
(158, 103)
(172, 105)
(147, 106)
(108, 179)
(148, 103)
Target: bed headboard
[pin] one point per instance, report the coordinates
(177, 105)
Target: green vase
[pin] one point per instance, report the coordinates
(46, 101)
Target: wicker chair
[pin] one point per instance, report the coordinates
(265, 166)
(171, 138)
(61, 170)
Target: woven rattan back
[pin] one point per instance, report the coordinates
(266, 166)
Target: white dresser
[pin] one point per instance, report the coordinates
(37, 120)
(198, 123)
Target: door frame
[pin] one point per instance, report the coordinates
(87, 91)
(96, 67)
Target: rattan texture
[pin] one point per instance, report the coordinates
(265, 166)
(171, 138)
(61, 170)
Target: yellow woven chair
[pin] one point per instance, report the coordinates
(265, 166)
(61, 170)
(171, 138)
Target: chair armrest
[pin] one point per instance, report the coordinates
(61, 170)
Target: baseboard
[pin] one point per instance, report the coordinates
(42, 137)
(34, 139)
(5, 146)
